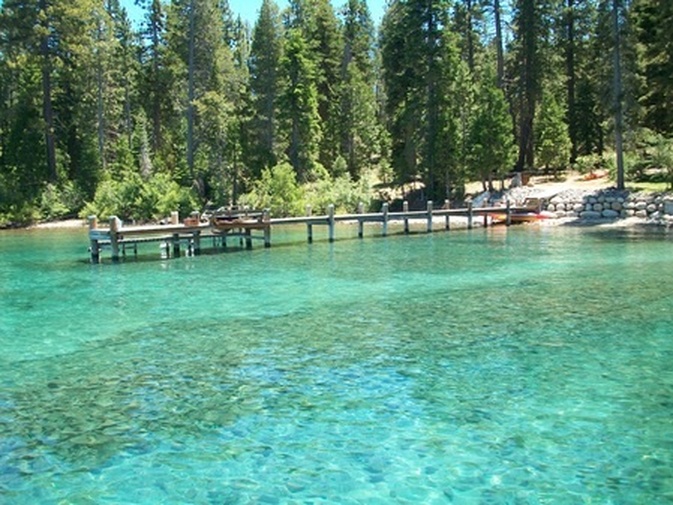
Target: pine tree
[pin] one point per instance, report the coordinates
(23, 154)
(491, 143)
(653, 20)
(359, 128)
(204, 74)
(528, 77)
(419, 71)
(552, 144)
(155, 76)
(265, 56)
(299, 107)
(320, 29)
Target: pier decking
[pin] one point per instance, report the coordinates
(192, 232)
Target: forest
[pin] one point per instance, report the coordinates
(193, 108)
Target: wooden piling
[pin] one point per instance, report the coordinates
(361, 210)
(93, 243)
(429, 217)
(405, 209)
(309, 226)
(115, 225)
(248, 238)
(469, 215)
(508, 220)
(447, 223)
(176, 244)
(330, 221)
(196, 240)
(384, 211)
(267, 228)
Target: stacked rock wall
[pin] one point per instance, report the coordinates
(602, 204)
(608, 204)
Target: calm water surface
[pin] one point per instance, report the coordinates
(520, 366)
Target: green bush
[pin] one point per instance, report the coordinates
(59, 201)
(344, 193)
(590, 163)
(277, 190)
(19, 215)
(136, 199)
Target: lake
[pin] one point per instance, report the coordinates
(525, 365)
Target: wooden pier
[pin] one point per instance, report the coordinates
(193, 231)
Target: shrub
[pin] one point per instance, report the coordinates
(58, 201)
(344, 193)
(278, 191)
(136, 199)
(589, 163)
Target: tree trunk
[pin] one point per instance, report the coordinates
(571, 82)
(433, 114)
(190, 91)
(47, 107)
(618, 95)
(470, 36)
(498, 44)
(157, 141)
(528, 85)
(100, 91)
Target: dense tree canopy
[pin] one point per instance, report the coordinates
(193, 107)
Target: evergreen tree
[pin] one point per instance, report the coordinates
(653, 19)
(265, 56)
(155, 77)
(468, 15)
(491, 143)
(358, 119)
(299, 107)
(320, 30)
(402, 78)
(528, 77)
(205, 73)
(23, 154)
(553, 144)
(419, 70)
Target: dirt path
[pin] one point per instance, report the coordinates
(547, 184)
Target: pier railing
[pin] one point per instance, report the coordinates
(192, 231)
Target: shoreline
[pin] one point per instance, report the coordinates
(581, 193)
(615, 223)
(57, 225)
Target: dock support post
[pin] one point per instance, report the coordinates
(361, 210)
(95, 252)
(175, 217)
(508, 219)
(384, 211)
(267, 228)
(469, 215)
(429, 226)
(405, 210)
(196, 238)
(309, 226)
(447, 223)
(248, 238)
(115, 224)
(330, 218)
(176, 243)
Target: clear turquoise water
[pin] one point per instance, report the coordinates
(520, 366)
